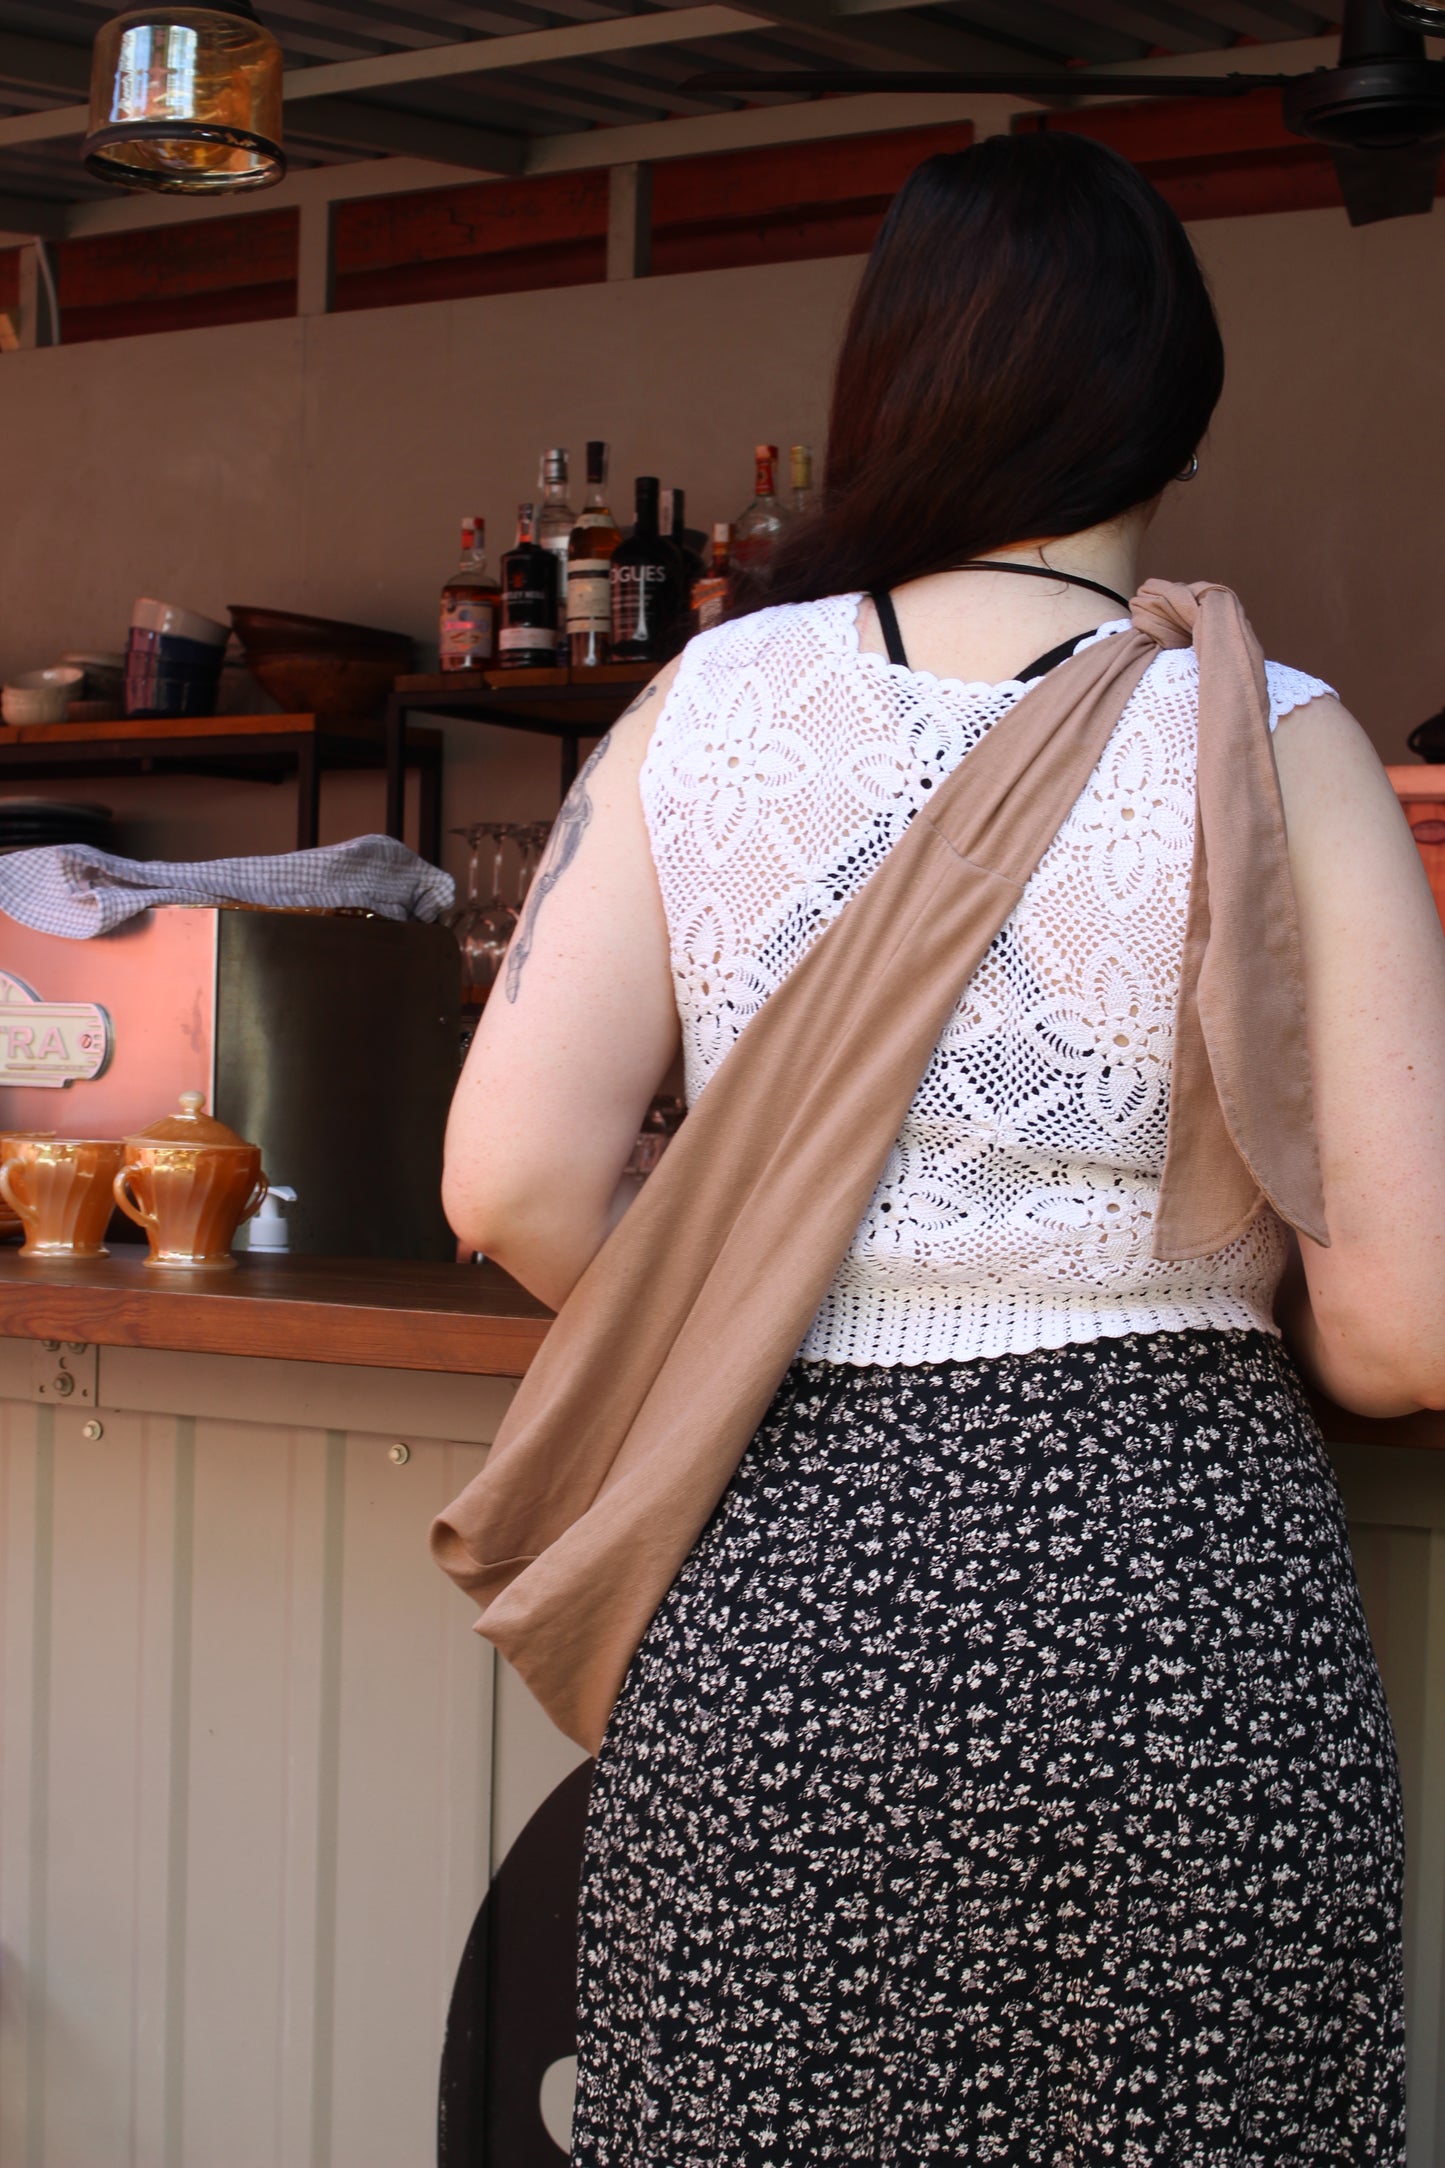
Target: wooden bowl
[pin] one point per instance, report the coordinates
(342, 688)
(287, 632)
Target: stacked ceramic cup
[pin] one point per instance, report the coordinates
(173, 660)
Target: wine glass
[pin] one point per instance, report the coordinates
(484, 929)
(456, 916)
(533, 841)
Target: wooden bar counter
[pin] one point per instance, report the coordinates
(466, 1319)
(255, 1772)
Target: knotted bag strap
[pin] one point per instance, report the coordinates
(1241, 1101)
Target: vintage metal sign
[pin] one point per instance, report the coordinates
(50, 1042)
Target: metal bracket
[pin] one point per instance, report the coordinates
(64, 1371)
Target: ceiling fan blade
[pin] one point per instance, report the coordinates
(1055, 83)
(1388, 184)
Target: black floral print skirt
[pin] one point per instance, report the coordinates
(1006, 1778)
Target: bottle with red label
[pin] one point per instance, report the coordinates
(469, 606)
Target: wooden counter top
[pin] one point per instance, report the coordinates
(469, 1319)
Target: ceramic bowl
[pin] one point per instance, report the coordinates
(40, 696)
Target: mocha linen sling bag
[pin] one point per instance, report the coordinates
(633, 1417)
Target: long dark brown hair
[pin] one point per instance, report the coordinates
(1032, 351)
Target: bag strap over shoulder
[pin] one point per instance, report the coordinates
(635, 1413)
(628, 1427)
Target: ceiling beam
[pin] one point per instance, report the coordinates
(302, 190)
(351, 124)
(910, 34)
(25, 219)
(519, 49)
(819, 120)
(44, 64)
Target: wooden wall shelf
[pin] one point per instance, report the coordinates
(256, 748)
(566, 704)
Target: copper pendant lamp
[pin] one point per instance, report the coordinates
(186, 99)
(1425, 15)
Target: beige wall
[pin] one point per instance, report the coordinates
(325, 465)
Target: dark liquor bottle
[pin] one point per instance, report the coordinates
(649, 587)
(528, 638)
(589, 568)
(674, 526)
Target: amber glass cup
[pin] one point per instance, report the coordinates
(60, 1189)
(190, 1199)
(11, 1222)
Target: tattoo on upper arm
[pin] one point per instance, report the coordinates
(648, 692)
(561, 850)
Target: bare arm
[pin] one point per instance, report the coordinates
(576, 1037)
(1366, 1317)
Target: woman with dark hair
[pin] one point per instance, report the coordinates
(1006, 1775)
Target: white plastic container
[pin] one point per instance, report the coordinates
(40, 696)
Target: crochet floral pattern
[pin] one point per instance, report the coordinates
(1017, 1208)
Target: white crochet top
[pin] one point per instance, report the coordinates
(1016, 1206)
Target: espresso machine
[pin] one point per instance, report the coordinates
(328, 1038)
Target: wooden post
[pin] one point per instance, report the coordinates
(315, 262)
(36, 325)
(629, 222)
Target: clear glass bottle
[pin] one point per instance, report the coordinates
(469, 606)
(554, 530)
(755, 533)
(589, 567)
(805, 496)
(710, 593)
(649, 587)
(528, 638)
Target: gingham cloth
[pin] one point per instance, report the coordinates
(69, 889)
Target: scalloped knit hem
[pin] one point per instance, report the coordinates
(941, 1323)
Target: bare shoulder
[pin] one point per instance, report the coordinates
(1331, 778)
(1359, 879)
(628, 739)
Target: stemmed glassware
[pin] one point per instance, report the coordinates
(483, 929)
(533, 841)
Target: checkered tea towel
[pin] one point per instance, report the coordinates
(72, 890)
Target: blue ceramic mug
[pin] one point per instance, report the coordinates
(173, 660)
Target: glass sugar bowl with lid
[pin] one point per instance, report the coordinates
(190, 1182)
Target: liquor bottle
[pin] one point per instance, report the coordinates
(469, 605)
(589, 566)
(764, 520)
(528, 639)
(649, 587)
(554, 530)
(673, 522)
(804, 497)
(710, 593)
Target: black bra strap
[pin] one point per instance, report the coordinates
(882, 602)
(1041, 572)
(1045, 663)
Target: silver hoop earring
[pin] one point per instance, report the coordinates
(1191, 470)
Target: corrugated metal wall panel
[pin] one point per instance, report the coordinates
(245, 1787)
(253, 1781)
